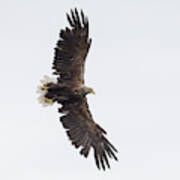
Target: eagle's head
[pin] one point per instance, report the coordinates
(88, 90)
(46, 83)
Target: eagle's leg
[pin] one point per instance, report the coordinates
(50, 92)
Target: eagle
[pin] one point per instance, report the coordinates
(70, 92)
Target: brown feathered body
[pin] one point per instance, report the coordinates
(70, 91)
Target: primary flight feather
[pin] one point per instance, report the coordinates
(70, 91)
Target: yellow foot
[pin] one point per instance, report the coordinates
(44, 87)
(49, 100)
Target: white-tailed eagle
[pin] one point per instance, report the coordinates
(70, 91)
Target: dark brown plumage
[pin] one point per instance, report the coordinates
(70, 91)
(72, 49)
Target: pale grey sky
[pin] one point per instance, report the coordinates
(134, 66)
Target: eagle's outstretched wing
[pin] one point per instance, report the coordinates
(85, 133)
(72, 49)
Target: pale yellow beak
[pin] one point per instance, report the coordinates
(93, 92)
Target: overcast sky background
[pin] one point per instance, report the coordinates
(134, 67)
